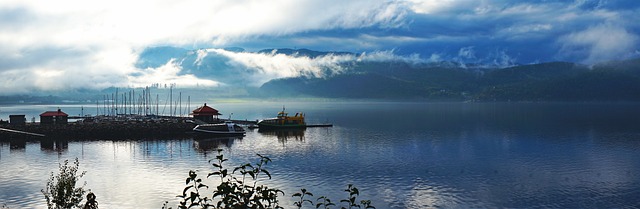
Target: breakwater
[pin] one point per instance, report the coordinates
(100, 129)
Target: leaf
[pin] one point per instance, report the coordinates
(296, 195)
(214, 173)
(184, 192)
(266, 172)
(355, 191)
(193, 196)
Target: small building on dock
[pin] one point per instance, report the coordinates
(17, 120)
(54, 117)
(206, 114)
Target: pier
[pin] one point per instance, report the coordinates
(101, 128)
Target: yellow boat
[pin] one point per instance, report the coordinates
(283, 120)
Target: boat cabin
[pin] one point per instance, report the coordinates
(284, 119)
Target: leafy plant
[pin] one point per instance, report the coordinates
(91, 202)
(194, 198)
(353, 195)
(235, 190)
(61, 190)
(239, 189)
(326, 202)
(303, 192)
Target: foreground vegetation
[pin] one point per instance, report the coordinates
(61, 191)
(238, 188)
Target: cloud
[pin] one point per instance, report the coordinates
(72, 44)
(599, 43)
(258, 68)
(168, 73)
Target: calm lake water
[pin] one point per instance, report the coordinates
(399, 154)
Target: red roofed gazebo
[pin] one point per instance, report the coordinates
(54, 117)
(205, 113)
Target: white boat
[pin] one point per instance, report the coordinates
(227, 128)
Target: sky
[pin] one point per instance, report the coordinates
(67, 45)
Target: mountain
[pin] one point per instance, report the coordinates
(447, 80)
(554, 81)
(395, 79)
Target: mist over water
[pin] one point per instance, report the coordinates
(399, 154)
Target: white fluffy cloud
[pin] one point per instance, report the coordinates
(56, 45)
(258, 68)
(599, 43)
(168, 73)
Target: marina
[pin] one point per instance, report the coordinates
(58, 124)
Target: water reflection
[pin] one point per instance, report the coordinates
(54, 145)
(16, 145)
(284, 135)
(399, 155)
(205, 144)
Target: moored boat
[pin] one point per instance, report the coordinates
(283, 120)
(227, 128)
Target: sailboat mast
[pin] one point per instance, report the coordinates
(115, 101)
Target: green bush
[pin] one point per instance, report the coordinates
(61, 191)
(239, 189)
